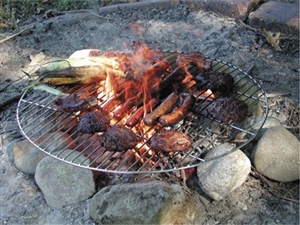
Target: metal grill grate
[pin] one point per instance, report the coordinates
(54, 132)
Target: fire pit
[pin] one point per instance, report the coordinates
(207, 125)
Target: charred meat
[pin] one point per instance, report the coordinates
(184, 60)
(193, 58)
(215, 81)
(228, 109)
(118, 138)
(75, 102)
(171, 141)
(93, 122)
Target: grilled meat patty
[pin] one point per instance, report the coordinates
(228, 109)
(215, 81)
(75, 102)
(93, 122)
(118, 138)
(171, 141)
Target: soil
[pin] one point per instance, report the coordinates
(257, 201)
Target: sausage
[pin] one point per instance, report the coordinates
(178, 112)
(119, 113)
(110, 104)
(163, 108)
(113, 102)
(138, 114)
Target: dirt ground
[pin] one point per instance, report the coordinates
(257, 201)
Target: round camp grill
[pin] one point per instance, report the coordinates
(54, 131)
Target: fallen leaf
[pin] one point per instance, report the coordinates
(273, 39)
(36, 59)
(3, 25)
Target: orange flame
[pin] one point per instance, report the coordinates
(144, 68)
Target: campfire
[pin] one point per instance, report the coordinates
(143, 111)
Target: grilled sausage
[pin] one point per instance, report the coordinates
(138, 114)
(178, 113)
(110, 104)
(113, 102)
(119, 113)
(162, 109)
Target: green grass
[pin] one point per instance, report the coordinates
(12, 12)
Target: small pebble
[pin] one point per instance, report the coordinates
(242, 205)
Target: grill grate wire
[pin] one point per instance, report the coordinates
(44, 125)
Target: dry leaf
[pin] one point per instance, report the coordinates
(3, 25)
(36, 59)
(273, 39)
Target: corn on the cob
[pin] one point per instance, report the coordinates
(78, 70)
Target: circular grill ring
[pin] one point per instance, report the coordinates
(37, 117)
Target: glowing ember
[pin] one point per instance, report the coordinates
(209, 93)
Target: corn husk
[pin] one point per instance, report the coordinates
(78, 70)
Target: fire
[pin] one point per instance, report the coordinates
(147, 75)
(209, 93)
(149, 80)
(144, 68)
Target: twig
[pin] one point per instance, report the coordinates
(283, 197)
(137, 5)
(271, 188)
(250, 68)
(291, 114)
(11, 36)
(276, 94)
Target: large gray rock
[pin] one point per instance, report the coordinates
(219, 177)
(55, 141)
(276, 155)
(276, 16)
(62, 183)
(270, 122)
(27, 156)
(254, 124)
(238, 9)
(153, 202)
